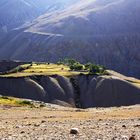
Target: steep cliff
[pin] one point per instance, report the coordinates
(81, 91)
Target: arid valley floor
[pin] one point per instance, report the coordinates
(54, 123)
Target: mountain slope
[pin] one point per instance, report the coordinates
(99, 19)
(105, 32)
(16, 12)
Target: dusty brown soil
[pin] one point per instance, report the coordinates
(54, 123)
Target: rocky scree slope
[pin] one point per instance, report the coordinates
(79, 91)
(93, 27)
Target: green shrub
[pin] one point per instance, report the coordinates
(87, 66)
(96, 69)
(70, 62)
(42, 105)
(76, 66)
(67, 62)
(24, 102)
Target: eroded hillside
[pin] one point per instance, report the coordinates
(57, 84)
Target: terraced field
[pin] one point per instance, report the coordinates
(42, 69)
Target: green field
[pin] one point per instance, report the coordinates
(42, 69)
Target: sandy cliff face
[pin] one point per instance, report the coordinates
(80, 91)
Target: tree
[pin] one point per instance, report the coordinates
(76, 66)
(96, 69)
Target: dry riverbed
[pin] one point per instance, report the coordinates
(55, 122)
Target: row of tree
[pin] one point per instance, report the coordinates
(77, 66)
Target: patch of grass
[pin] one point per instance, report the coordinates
(4, 100)
(7, 101)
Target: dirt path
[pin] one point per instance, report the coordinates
(54, 123)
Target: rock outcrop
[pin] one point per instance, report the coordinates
(80, 91)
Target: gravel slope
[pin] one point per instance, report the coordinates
(54, 123)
